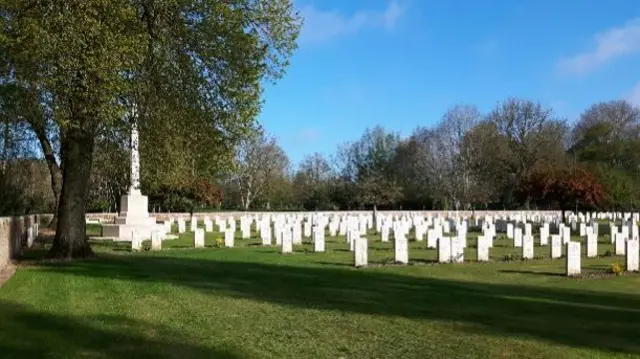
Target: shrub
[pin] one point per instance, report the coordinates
(616, 269)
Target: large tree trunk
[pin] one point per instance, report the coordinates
(70, 240)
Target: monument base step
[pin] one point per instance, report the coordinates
(124, 232)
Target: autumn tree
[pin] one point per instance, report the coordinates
(565, 188)
(193, 69)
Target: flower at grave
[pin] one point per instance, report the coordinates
(219, 242)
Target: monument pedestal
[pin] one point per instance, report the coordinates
(134, 218)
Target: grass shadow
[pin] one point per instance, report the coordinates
(547, 274)
(579, 318)
(26, 333)
(335, 264)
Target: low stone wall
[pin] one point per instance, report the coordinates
(109, 217)
(16, 235)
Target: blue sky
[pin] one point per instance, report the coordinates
(403, 63)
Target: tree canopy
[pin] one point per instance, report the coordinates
(189, 73)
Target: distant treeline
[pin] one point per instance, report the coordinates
(518, 156)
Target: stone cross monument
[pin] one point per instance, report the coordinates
(134, 189)
(133, 219)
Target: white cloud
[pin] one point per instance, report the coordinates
(610, 45)
(634, 96)
(323, 25)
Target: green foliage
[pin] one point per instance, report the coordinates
(623, 187)
(188, 73)
(368, 163)
(25, 188)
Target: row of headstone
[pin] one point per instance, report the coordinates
(289, 230)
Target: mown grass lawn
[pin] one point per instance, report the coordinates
(253, 302)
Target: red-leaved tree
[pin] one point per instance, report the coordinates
(564, 188)
(207, 193)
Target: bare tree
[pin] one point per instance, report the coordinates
(622, 118)
(372, 158)
(258, 159)
(316, 168)
(485, 151)
(455, 125)
(609, 132)
(533, 134)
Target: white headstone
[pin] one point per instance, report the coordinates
(444, 249)
(246, 231)
(432, 238)
(193, 223)
(136, 243)
(483, 249)
(360, 252)
(229, 235)
(384, 233)
(31, 235)
(632, 256)
(544, 234)
(318, 240)
(198, 238)
(457, 250)
(556, 246)
(287, 242)
(307, 229)
(527, 247)
(352, 235)
(510, 230)
(573, 258)
(182, 226)
(265, 233)
(279, 233)
(208, 226)
(528, 230)
(620, 244)
(296, 234)
(401, 249)
(156, 241)
(566, 235)
(592, 244)
(624, 230)
(517, 237)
